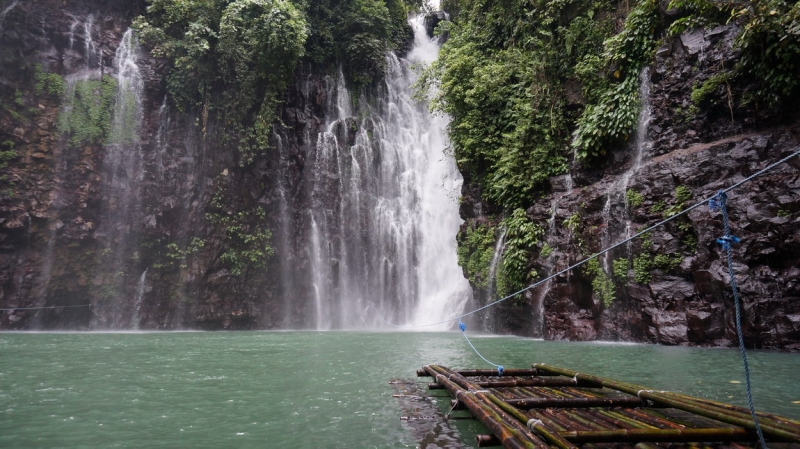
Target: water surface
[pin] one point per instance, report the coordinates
(304, 389)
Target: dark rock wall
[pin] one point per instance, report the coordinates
(54, 196)
(687, 301)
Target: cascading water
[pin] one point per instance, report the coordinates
(83, 84)
(5, 12)
(491, 282)
(140, 290)
(383, 210)
(161, 145)
(123, 176)
(616, 199)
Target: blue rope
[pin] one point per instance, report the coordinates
(463, 328)
(719, 202)
(610, 248)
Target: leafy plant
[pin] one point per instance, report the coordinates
(546, 250)
(641, 268)
(245, 242)
(522, 235)
(475, 252)
(500, 77)
(614, 115)
(602, 284)
(49, 83)
(768, 70)
(573, 222)
(621, 267)
(770, 43)
(667, 262)
(634, 198)
(7, 153)
(177, 254)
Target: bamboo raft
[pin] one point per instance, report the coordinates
(549, 407)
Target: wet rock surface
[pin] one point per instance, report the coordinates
(684, 296)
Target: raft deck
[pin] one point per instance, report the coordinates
(549, 407)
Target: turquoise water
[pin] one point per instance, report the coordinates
(304, 389)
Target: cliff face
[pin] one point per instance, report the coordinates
(120, 204)
(121, 212)
(671, 286)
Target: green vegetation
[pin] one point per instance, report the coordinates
(359, 32)
(768, 70)
(233, 59)
(667, 262)
(522, 235)
(50, 83)
(546, 250)
(500, 76)
(179, 255)
(245, 242)
(613, 115)
(573, 222)
(621, 267)
(641, 268)
(602, 283)
(7, 152)
(634, 198)
(86, 116)
(475, 252)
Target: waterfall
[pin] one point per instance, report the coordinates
(5, 12)
(491, 282)
(616, 204)
(161, 140)
(140, 290)
(497, 256)
(123, 175)
(381, 225)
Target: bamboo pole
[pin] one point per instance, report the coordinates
(723, 434)
(511, 436)
(575, 402)
(773, 420)
(783, 419)
(504, 382)
(576, 420)
(769, 427)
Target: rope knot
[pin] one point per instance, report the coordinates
(727, 241)
(718, 202)
(533, 422)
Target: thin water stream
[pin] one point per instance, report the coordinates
(305, 389)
